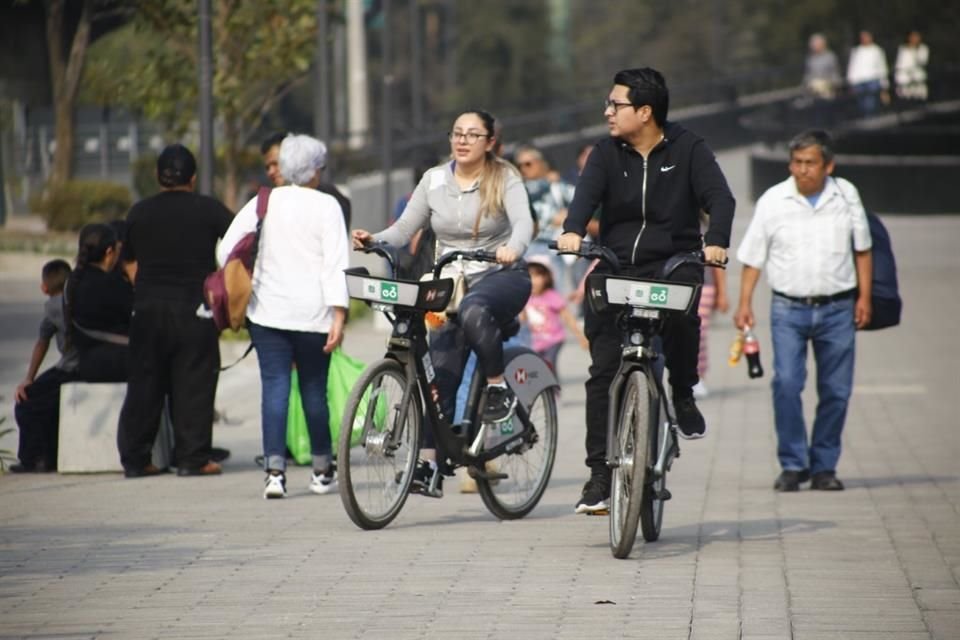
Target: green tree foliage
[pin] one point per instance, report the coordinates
(72, 204)
(261, 50)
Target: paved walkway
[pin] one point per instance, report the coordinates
(99, 556)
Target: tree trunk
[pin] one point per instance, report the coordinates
(65, 81)
(231, 153)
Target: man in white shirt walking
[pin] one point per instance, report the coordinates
(867, 74)
(810, 232)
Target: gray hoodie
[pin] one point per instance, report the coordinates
(452, 212)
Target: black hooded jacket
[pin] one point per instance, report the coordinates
(650, 209)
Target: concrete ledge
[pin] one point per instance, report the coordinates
(89, 417)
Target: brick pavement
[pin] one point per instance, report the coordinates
(101, 557)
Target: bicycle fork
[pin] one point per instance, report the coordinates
(667, 446)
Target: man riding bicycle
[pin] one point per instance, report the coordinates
(650, 179)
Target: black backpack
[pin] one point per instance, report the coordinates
(885, 298)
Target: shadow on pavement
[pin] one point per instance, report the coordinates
(679, 541)
(891, 481)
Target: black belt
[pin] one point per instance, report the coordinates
(816, 301)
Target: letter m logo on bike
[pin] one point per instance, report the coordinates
(658, 295)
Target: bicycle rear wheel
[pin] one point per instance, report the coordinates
(629, 478)
(528, 467)
(651, 507)
(377, 453)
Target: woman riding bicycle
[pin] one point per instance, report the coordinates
(475, 201)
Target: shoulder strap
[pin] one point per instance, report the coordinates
(103, 336)
(263, 198)
(245, 354)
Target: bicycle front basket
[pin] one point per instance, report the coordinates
(429, 295)
(604, 290)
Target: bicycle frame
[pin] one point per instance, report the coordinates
(643, 357)
(462, 445)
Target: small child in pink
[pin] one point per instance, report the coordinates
(546, 313)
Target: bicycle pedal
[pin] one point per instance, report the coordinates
(599, 512)
(664, 494)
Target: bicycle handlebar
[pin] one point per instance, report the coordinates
(475, 255)
(383, 249)
(592, 250)
(390, 253)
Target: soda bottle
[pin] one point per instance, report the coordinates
(736, 349)
(751, 348)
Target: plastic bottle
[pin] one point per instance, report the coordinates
(736, 349)
(751, 348)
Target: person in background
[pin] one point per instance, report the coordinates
(713, 297)
(37, 421)
(298, 305)
(270, 150)
(475, 201)
(174, 347)
(549, 197)
(651, 178)
(91, 317)
(867, 74)
(910, 69)
(417, 257)
(821, 73)
(810, 232)
(546, 312)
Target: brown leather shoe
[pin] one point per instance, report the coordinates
(210, 469)
(149, 470)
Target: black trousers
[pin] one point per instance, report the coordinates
(38, 417)
(175, 353)
(681, 344)
(489, 305)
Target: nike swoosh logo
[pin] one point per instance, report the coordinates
(665, 169)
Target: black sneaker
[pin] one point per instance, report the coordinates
(427, 480)
(595, 496)
(501, 401)
(790, 480)
(689, 419)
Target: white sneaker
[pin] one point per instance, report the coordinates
(275, 486)
(700, 391)
(324, 482)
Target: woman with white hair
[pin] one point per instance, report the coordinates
(298, 305)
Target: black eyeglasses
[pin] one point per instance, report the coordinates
(470, 137)
(613, 104)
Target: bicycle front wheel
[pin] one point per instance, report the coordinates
(651, 506)
(528, 467)
(378, 448)
(629, 477)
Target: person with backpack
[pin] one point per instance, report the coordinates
(174, 350)
(298, 304)
(810, 233)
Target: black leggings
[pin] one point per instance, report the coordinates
(491, 303)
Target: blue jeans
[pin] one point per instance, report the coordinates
(278, 350)
(831, 330)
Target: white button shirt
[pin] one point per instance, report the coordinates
(806, 250)
(298, 276)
